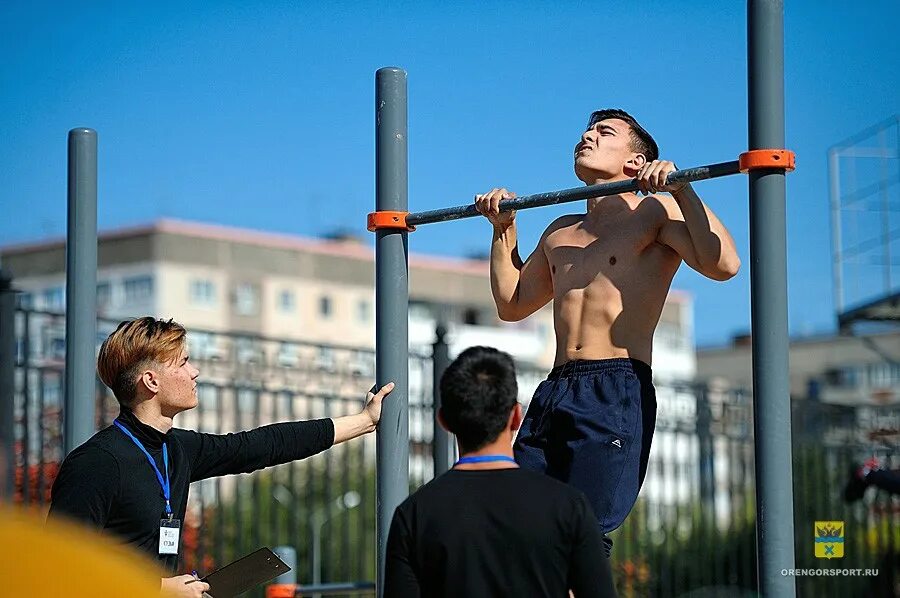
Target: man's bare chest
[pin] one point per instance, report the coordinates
(585, 253)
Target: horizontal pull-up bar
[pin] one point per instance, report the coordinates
(753, 160)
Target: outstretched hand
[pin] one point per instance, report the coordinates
(373, 402)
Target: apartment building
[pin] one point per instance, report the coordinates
(833, 368)
(216, 279)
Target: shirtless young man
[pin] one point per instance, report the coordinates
(608, 272)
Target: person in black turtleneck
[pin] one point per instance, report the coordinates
(109, 482)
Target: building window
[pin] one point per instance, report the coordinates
(54, 299)
(362, 363)
(247, 350)
(470, 316)
(208, 396)
(325, 307)
(204, 346)
(247, 400)
(364, 311)
(420, 310)
(104, 294)
(880, 375)
(139, 288)
(56, 347)
(325, 359)
(288, 355)
(24, 300)
(202, 292)
(246, 299)
(286, 301)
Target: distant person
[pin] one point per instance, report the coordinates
(131, 479)
(870, 473)
(487, 528)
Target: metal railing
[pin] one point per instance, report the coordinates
(693, 526)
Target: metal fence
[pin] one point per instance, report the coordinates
(692, 530)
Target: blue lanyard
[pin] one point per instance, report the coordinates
(484, 459)
(166, 488)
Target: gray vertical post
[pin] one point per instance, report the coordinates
(391, 303)
(440, 359)
(81, 288)
(834, 192)
(768, 283)
(7, 385)
(707, 452)
(883, 184)
(288, 554)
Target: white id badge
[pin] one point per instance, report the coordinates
(169, 531)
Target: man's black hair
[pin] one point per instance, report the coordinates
(478, 391)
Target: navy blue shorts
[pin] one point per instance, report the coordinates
(590, 424)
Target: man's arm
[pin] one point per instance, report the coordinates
(85, 487)
(213, 455)
(519, 288)
(400, 579)
(691, 229)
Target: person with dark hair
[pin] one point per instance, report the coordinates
(131, 479)
(871, 473)
(487, 527)
(608, 272)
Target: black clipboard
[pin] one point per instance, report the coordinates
(245, 574)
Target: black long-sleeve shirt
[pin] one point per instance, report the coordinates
(496, 532)
(108, 483)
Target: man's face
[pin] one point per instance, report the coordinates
(604, 152)
(177, 385)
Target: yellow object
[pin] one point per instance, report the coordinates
(63, 559)
(829, 539)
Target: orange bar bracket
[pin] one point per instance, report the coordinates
(387, 219)
(767, 158)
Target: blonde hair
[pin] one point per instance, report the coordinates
(132, 346)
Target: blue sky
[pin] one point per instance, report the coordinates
(261, 114)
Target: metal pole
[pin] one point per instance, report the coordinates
(707, 452)
(440, 359)
(288, 554)
(81, 288)
(391, 303)
(834, 191)
(317, 523)
(883, 174)
(7, 386)
(768, 283)
(552, 198)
